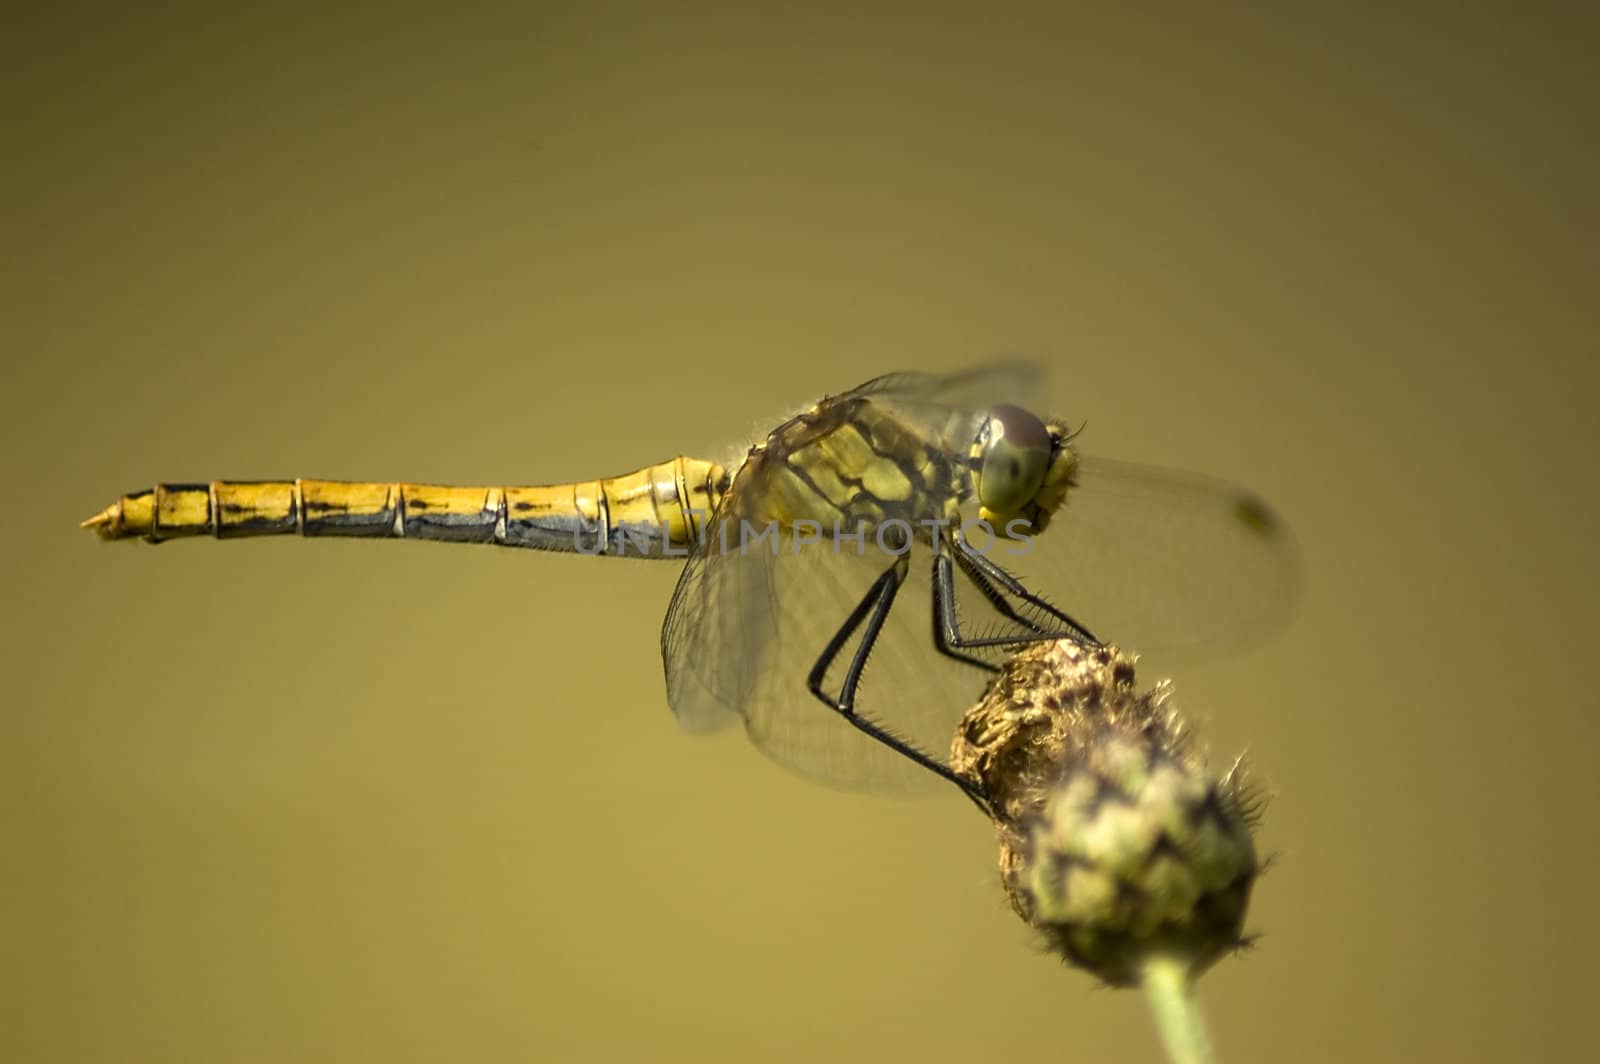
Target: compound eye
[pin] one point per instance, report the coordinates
(1015, 456)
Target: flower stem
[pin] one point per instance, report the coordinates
(1177, 1013)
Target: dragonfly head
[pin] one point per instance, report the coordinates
(1021, 468)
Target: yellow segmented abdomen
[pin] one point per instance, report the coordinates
(657, 511)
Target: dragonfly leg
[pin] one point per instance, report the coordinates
(874, 610)
(997, 600)
(980, 570)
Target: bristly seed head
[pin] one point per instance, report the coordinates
(1115, 841)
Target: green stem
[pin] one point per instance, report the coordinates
(1178, 1020)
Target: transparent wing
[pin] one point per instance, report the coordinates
(788, 607)
(947, 410)
(720, 626)
(1153, 559)
(974, 389)
(1163, 562)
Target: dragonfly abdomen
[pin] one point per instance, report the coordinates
(228, 509)
(652, 512)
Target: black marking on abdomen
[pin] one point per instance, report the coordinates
(449, 525)
(323, 520)
(255, 526)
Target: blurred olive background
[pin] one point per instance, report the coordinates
(278, 800)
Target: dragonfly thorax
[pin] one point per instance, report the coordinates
(1021, 470)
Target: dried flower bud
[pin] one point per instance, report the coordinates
(1115, 842)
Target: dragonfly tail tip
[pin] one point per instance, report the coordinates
(102, 523)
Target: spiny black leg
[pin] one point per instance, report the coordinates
(981, 562)
(939, 642)
(994, 598)
(820, 670)
(888, 586)
(947, 628)
(947, 625)
(978, 579)
(874, 609)
(967, 555)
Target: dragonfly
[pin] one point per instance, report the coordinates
(802, 559)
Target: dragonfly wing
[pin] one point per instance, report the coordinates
(975, 389)
(948, 410)
(1153, 559)
(746, 628)
(717, 631)
(1161, 561)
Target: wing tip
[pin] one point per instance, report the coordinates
(1252, 512)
